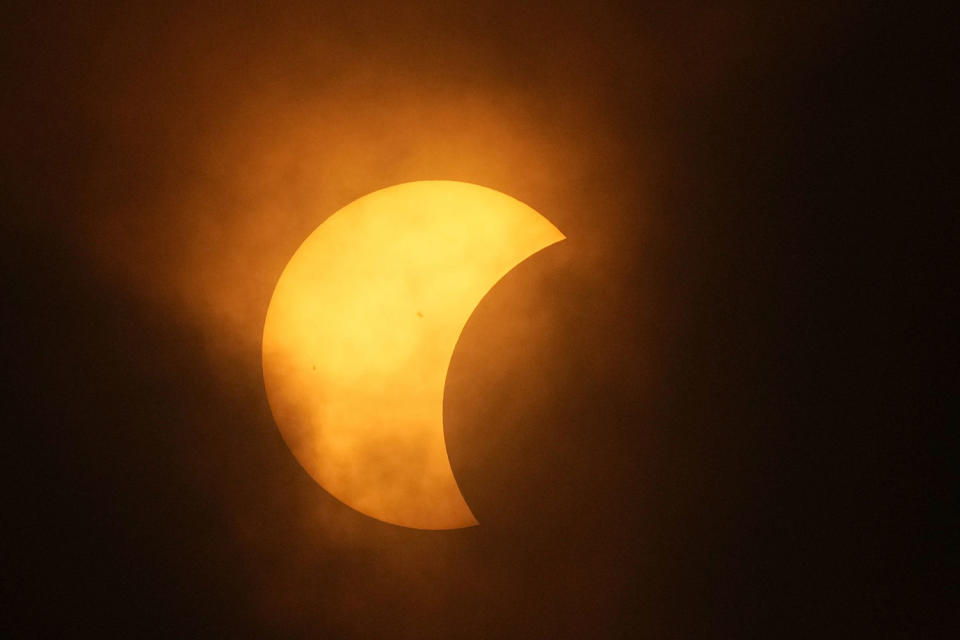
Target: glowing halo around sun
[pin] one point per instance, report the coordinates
(361, 329)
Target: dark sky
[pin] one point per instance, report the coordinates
(706, 414)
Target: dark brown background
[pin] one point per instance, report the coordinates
(705, 414)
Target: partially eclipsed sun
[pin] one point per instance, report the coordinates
(360, 332)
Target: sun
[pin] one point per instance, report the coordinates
(360, 331)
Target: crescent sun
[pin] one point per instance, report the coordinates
(360, 331)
